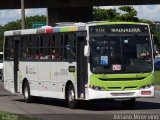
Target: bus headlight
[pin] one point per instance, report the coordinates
(146, 86)
(97, 88)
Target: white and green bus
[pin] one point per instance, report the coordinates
(81, 61)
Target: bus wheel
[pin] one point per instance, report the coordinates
(26, 93)
(128, 104)
(71, 101)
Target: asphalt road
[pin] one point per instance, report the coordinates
(54, 109)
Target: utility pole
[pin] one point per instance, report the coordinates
(47, 18)
(22, 15)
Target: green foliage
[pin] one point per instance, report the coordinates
(127, 13)
(104, 14)
(31, 19)
(16, 25)
(145, 21)
(124, 13)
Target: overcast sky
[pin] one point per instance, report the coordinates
(150, 12)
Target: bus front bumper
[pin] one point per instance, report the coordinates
(95, 94)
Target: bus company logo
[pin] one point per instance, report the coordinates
(130, 30)
(30, 70)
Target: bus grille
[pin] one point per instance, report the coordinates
(121, 79)
(123, 88)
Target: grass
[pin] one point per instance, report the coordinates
(13, 116)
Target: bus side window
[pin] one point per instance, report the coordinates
(40, 47)
(58, 47)
(27, 54)
(66, 47)
(72, 43)
(7, 51)
(34, 40)
(25, 48)
(46, 40)
(52, 52)
(9, 48)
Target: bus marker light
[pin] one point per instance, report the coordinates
(146, 92)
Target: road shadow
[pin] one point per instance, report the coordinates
(4, 95)
(115, 105)
(46, 101)
(96, 105)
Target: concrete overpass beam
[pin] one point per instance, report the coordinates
(72, 14)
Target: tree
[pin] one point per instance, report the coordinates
(16, 25)
(104, 14)
(37, 18)
(127, 13)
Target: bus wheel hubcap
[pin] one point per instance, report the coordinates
(71, 96)
(26, 93)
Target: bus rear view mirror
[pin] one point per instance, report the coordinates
(86, 51)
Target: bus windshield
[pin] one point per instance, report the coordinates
(121, 53)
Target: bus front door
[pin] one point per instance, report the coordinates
(81, 67)
(16, 63)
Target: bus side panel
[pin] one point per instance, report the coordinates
(46, 79)
(28, 70)
(8, 76)
(52, 78)
(63, 75)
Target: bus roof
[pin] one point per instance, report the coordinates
(46, 29)
(113, 23)
(65, 27)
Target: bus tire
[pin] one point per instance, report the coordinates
(129, 104)
(26, 89)
(71, 101)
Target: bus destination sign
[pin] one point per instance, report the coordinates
(111, 29)
(130, 30)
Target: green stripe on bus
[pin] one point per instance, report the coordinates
(114, 23)
(127, 84)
